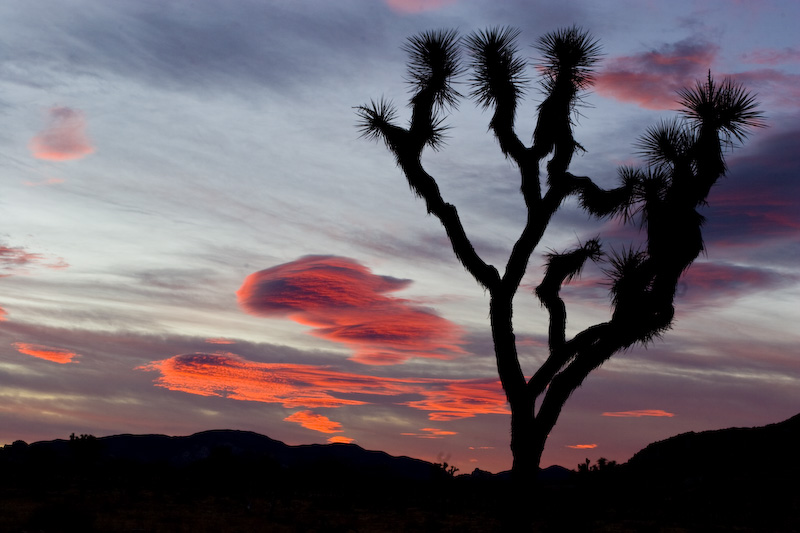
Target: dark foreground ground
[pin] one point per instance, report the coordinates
(242, 501)
(740, 479)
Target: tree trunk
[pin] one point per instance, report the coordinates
(527, 443)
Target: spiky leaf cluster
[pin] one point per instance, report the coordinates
(667, 144)
(726, 107)
(375, 118)
(619, 201)
(433, 64)
(566, 266)
(568, 56)
(628, 275)
(498, 72)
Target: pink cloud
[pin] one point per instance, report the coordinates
(639, 413)
(344, 302)
(417, 6)
(64, 138)
(3, 315)
(56, 355)
(16, 260)
(773, 86)
(652, 79)
(315, 422)
(706, 283)
(772, 56)
(48, 181)
(296, 385)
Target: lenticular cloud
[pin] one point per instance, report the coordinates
(343, 301)
(64, 138)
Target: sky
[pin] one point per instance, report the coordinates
(193, 236)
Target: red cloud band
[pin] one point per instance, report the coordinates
(345, 302)
(295, 385)
(55, 355)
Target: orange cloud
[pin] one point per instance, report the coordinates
(313, 421)
(3, 315)
(639, 413)
(64, 138)
(432, 433)
(345, 302)
(220, 340)
(417, 6)
(338, 439)
(582, 446)
(463, 399)
(295, 385)
(56, 355)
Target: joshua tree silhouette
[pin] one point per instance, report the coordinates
(684, 158)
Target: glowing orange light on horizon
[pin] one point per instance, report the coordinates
(639, 413)
(339, 439)
(56, 355)
(581, 446)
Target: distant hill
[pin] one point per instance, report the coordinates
(742, 479)
(207, 448)
(762, 453)
(767, 453)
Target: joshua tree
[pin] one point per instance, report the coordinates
(684, 158)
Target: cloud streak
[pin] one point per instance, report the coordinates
(772, 56)
(56, 355)
(652, 79)
(417, 6)
(431, 433)
(344, 302)
(227, 375)
(64, 138)
(639, 413)
(16, 260)
(313, 421)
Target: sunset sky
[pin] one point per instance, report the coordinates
(193, 236)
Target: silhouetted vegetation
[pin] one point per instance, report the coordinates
(684, 159)
(241, 481)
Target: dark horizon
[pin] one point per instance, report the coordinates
(194, 236)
